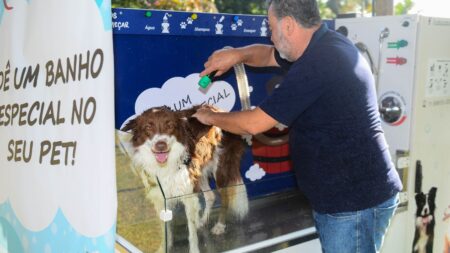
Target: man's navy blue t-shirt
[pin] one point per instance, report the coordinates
(338, 149)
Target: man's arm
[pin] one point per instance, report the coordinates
(256, 55)
(239, 122)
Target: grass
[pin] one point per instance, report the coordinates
(137, 221)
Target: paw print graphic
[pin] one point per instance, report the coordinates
(247, 138)
(183, 25)
(233, 27)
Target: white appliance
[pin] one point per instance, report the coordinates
(410, 59)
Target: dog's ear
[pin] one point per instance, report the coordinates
(432, 194)
(186, 113)
(165, 108)
(199, 129)
(187, 135)
(196, 128)
(130, 125)
(420, 198)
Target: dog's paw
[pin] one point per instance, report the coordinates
(204, 220)
(194, 250)
(218, 229)
(201, 222)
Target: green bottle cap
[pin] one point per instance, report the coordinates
(204, 82)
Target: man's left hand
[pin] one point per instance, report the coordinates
(203, 115)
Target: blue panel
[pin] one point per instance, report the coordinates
(152, 46)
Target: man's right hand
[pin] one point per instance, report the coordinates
(222, 60)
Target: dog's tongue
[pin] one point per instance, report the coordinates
(161, 157)
(427, 219)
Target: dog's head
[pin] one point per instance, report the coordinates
(426, 203)
(161, 138)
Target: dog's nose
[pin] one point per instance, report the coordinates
(161, 146)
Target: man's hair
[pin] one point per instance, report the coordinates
(305, 12)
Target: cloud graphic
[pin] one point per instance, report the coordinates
(255, 172)
(105, 12)
(4, 6)
(181, 93)
(85, 192)
(184, 92)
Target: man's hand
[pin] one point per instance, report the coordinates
(204, 114)
(256, 55)
(222, 60)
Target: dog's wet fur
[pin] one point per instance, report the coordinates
(182, 154)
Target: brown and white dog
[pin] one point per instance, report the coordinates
(180, 154)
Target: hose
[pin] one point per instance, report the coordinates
(244, 96)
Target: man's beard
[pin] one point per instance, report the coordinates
(283, 48)
(282, 55)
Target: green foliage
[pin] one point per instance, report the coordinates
(223, 6)
(332, 8)
(403, 8)
(325, 11)
(328, 8)
(179, 5)
(242, 6)
(127, 4)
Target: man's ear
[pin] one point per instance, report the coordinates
(289, 25)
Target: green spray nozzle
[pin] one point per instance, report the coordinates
(399, 44)
(206, 80)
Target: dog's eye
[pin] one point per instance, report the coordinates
(170, 125)
(150, 127)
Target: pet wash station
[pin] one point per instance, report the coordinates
(158, 55)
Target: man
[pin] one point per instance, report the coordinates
(328, 100)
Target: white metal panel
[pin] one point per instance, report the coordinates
(422, 84)
(394, 80)
(431, 128)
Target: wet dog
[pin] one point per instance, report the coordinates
(425, 222)
(176, 152)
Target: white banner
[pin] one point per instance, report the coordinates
(57, 167)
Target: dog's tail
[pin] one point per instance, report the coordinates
(238, 205)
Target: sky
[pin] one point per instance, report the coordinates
(434, 8)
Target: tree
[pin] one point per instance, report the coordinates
(179, 5)
(403, 8)
(242, 6)
(329, 9)
(224, 6)
(332, 8)
(325, 11)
